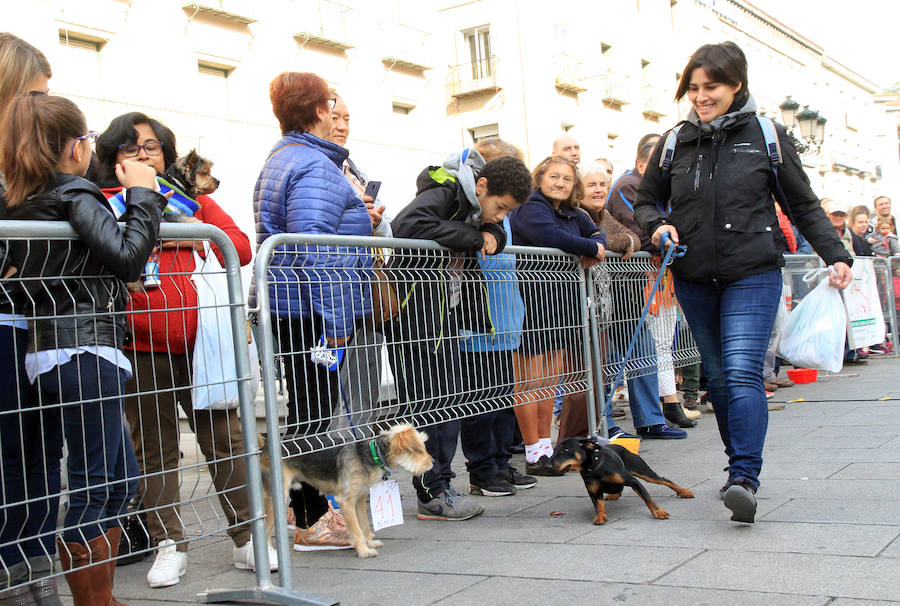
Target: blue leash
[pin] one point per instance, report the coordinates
(672, 251)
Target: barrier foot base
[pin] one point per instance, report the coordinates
(269, 595)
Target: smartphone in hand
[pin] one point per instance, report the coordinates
(372, 188)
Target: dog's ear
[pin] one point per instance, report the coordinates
(405, 438)
(587, 444)
(423, 436)
(190, 160)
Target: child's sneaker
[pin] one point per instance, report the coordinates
(449, 506)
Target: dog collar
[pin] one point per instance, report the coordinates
(376, 456)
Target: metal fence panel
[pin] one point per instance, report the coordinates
(621, 289)
(82, 396)
(460, 336)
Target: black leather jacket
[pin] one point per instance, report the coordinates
(81, 296)
(720, 192)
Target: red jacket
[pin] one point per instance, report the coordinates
(174, 330)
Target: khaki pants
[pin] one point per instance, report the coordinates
(155, 432)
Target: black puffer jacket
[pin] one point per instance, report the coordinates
(77, 289)
(722, 204)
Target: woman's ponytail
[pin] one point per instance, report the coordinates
(34, 134)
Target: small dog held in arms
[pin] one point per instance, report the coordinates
(347, 472)
(192, 174)
(607, 468)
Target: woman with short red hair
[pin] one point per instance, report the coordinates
(318, 298)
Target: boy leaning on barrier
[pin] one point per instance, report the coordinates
(459, 205)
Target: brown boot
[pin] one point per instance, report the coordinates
(114, 536)
(91, 586)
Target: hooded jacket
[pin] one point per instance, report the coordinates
(302, 190)
(77, 302)
(719, 191)
(431, 291)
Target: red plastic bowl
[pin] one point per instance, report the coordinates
(803, 375)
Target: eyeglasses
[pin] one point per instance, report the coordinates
(151, 147)
(332, 102)
(91, 136)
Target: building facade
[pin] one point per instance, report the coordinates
(423, 78)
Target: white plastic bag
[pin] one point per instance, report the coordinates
(781, 317)
(215, 384)
(816, 330)
(866, 320)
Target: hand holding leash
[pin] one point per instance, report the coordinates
(669, 245)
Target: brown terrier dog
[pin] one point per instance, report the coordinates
(347, 472)
(192, 175)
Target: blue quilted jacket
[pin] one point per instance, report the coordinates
(302, 190)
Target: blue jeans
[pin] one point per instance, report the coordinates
(31, 441)
(731, 324)
(101, 466)
(643, 390)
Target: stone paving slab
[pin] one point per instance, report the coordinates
(846, 539)
(871, 512)
(485, 528)
(780, 470)
(548, 560)
(500, 590)
(869, 471)
(836, 576)
(892, 550)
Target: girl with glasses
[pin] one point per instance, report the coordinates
(76, 336)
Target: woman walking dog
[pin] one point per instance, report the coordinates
(719, 189)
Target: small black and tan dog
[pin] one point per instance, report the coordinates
(192, 174)
(607, 468)
(347, 472)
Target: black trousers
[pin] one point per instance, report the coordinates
(488, 382)
(311, 391)
(428, 378)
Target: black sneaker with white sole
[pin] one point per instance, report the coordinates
(740, 498)
(519, 480)
(494, 487)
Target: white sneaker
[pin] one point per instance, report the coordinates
(243, 557)
(169, 566)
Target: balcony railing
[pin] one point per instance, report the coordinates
(568, 74)
(326, 26)
(403, 46)
(655, 104)
(473, 78)
(615, 89)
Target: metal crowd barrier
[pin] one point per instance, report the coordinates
(455, 333)
(215, 487)
(456, 336)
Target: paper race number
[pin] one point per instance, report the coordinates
(384, 502)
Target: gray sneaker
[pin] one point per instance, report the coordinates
(449, 506)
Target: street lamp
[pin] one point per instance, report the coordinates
(808, 121)
(789, 112)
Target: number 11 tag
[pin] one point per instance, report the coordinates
(384, 501)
